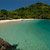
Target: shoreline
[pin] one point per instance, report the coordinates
(14, 20)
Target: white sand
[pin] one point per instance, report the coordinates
(4, 21)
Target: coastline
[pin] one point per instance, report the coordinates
(13, 20)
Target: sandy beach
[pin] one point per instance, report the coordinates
(13, 20)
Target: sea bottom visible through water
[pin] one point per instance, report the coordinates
(29, 35)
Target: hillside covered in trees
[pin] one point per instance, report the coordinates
(37, 11)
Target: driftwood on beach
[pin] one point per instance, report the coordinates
(6, 46)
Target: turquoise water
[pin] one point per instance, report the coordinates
(29, 35)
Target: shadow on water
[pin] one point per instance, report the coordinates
(13, 47)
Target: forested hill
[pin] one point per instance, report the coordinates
(37, 11)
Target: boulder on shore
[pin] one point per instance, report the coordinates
(4, 45)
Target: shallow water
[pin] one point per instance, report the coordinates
(29, 35)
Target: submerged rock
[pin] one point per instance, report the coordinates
(6, 46)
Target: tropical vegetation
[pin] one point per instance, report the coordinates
(37, 11)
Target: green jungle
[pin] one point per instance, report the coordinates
(35, 11)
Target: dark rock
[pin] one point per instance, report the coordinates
(6, 46)
(4, 43)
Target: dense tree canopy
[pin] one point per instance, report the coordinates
(38, 10)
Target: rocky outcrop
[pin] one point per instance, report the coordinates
(6, 46)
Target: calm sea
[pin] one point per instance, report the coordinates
(29, 35)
